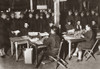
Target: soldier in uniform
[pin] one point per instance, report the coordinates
(42, 23)
(76, 17)
(48, 21)
(70, 17)
(37, 23)
(4, 35)
(88, 17)
(83, 19)
(32, 22)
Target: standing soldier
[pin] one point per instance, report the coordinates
(32, 22)
(4, 35)
(70, 17)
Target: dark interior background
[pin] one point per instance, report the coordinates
(25, 4)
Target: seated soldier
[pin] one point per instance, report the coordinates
(94, 26)
(78, 26)
(69, 27)
(24, 31)
(87, 44)
(52, 42)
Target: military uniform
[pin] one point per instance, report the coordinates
(4, 34)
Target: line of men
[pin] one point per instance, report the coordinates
(39, 22)
(76, 21)
(85, 17)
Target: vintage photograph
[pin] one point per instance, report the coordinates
(49, 34)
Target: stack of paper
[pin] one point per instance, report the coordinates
(32, 33)
(44, 34)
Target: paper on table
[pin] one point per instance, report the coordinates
(70, 37)
(39, 42)
(44, 34)
(25, 37)
(33, 33)
(34, 39)
(71, 31)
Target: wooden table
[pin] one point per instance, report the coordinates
(22, 40)
(37, 46)
(15, 41)
(70, 39)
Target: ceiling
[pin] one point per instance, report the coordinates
(24, 4)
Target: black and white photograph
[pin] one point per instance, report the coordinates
(49, 34)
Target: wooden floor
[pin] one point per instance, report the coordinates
(10, 63)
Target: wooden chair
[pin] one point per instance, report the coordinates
(57, 59)
(89, 52)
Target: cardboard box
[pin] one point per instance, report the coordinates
(28, 55)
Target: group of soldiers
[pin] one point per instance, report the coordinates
(21, 23)
(38, 21)
(84, 17)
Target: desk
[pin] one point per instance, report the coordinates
(70, 39)
(37, 46)
(17, 41)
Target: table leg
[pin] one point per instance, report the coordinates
(69, 54)
(12, 48)
(36, 55)
(16, 48)
(27, 44)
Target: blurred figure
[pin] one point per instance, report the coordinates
(12, 23)
(70, 17)
(24, 31)
(17, 20)
(38, 24)
(83, 19)
(87, 44)
(92, 12)
(4, 35)
(76, 17)
(42, 24)
(22, 20)
(12, 15)
(78, 26)
(17, 24)
(94, 26)
(21, 15)
(32, 22)
(52, 43)
(88, 17)
(92, 15)
(48, 21)
(96, 16)
(69, 27)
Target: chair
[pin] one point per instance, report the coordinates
(89, 52)
(57, 59)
